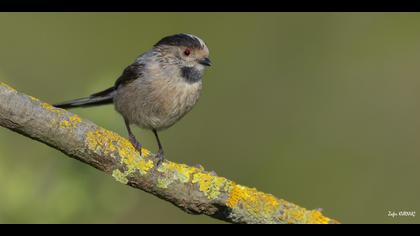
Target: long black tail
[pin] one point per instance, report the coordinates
(96, 99)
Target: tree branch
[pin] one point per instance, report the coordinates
(190, 188)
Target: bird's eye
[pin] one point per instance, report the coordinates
(187, 52)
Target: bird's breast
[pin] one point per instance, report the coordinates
(175, 98)
(156, 103)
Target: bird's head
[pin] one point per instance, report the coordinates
(187, 51)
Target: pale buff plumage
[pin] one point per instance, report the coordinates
(159, 99)
(158, 88)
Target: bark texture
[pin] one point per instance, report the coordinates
(192, 189)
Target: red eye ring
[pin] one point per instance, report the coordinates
(187, 52)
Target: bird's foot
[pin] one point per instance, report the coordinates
(160, 157)
(136, 144)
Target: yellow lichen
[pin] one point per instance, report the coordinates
(181, 172)
(210, 185)
(119, 176)
(174, 172)
(316, 217)
(7, 86)
(71, 122)
(104, 142)
(164, 182)
(75, 119)
(143, 166)
(34, 99)
(234, 196)
(265, 206)
(293, 215)
(65, 124)
(100, 141)
(301, 215)
(48, 107)
(252, 201)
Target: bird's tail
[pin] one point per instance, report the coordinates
(96, 99)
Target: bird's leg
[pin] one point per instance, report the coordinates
(137, 145)
(159, 154)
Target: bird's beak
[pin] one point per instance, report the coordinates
(206, 61)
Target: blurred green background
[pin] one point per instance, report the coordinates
(321, 109)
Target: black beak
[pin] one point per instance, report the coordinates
(206, 61)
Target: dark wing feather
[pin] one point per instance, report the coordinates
(131, 73)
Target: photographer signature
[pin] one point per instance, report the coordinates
(394, 214)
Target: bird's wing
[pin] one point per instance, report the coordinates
(131, 73)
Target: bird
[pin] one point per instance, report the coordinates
(159, 88)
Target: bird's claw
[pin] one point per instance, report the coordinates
(160, 157)
(138, 146)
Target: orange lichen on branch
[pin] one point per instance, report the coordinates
(210, 185)
(293, 214)
(34, 99)
(174, 172)
(265, 208)
(249, 202)
(191, 188)
(252, 199)
(51, 108)
(104, 142)
(8, 87)
(256, 205)
(71, 122)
